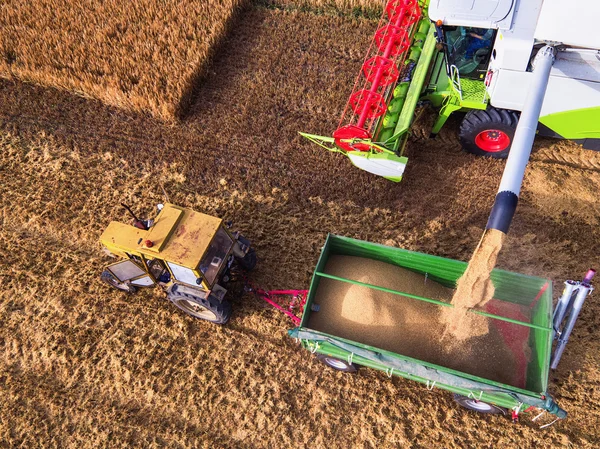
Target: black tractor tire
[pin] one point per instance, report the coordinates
(111, 280)
(248, 262)
(488, 132)
(208, 309)
(478, 406)
(337, 364)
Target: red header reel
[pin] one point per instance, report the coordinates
(380, 72)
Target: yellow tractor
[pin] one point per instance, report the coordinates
(190, 255)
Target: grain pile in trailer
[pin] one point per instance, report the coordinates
(404, 325)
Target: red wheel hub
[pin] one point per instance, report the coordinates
(492, 140)
(394, 37)
(372, 102)
(411, 14)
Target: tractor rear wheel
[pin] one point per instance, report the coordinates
(337, 364)
(478, 406)
(209, 309)
(111, 280)
(488, 133)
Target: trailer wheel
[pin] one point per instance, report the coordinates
(478, 406)
(111, 280)
(337, 364)
(209, 309)
(488, 133)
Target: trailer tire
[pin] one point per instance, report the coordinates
(337, 364)
(478, 406)
(208, 309)
(111, 280)
(488, 132)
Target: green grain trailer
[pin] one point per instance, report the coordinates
(523, 311)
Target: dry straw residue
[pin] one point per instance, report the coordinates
(145, 55)
(83, 366)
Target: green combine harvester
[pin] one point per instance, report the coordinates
(516, 69)
(471, 57)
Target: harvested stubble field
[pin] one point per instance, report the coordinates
(83, 366)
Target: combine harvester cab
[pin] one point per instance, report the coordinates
(474, 57)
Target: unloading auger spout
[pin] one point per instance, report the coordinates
(507, 197)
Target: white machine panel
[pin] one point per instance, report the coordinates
(475, 13)
(579, 64)
(509, 89)
(378, 167)
(573, 22)
(512, 49)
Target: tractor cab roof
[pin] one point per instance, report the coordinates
(179, 235)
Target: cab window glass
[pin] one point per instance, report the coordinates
(469, 49)
(215, 255)
(182, 274)
(159, 271)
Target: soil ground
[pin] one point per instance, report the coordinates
(84, 366)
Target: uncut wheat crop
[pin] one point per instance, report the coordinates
(145, 55)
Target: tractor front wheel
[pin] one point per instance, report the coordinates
(488, 133)
(337, 364)
(478, 406)
(111, 280)
(209, 309)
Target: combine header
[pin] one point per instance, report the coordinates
(379, 74)
(372, 123)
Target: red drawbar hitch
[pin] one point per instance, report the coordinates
(514, 415)
(290, 302)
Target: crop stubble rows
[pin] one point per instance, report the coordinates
(143, 56)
